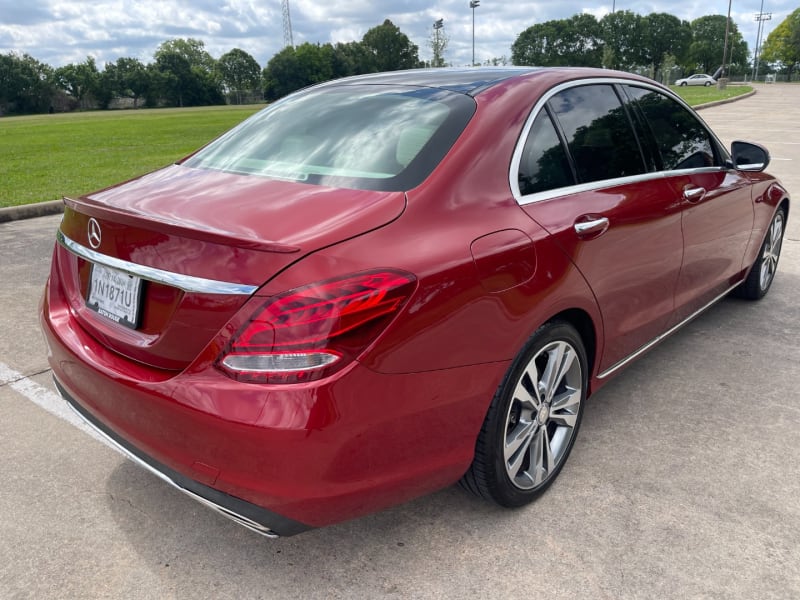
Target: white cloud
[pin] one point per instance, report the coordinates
(59, 32)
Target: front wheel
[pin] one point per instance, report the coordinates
(707, 83)
(763, 270)
(533, 419)
(684, 84)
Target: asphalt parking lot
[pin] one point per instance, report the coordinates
(684, 481)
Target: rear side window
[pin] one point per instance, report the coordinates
(544, 164)
(681, 139)
(357, 136)
(598, 133)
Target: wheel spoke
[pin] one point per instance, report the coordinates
(564, 410)
(517, 443)
(541, 457)
(775, 249)
(767, 270)
(522, 393)
(559, 361)
(776, 233)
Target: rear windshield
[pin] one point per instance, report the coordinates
(359, 136)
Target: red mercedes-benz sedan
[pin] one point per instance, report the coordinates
(382, 285)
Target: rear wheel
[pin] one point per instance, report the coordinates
(533, 419)
(763, 270)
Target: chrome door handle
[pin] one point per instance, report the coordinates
(595, 226)
(694, 194)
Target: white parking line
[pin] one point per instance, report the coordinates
(44, 398)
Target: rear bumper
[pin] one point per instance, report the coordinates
(277, 459)
(255, 518)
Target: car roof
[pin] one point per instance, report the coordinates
(463, 80)
(474, 80)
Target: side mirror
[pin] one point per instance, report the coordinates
(749, 157)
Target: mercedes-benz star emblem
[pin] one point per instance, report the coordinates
(94, 234)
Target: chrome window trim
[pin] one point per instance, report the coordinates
(595, 186)
(617, 366)
(523, 200)
(186, 283)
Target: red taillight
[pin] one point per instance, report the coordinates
(311, 332)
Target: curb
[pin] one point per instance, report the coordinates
(726, 101)
(29, 211)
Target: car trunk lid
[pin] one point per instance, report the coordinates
(193, 245)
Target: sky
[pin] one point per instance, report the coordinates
(59, 32)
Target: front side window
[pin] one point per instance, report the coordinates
(682, 141)
(598, 133)
(358, 136)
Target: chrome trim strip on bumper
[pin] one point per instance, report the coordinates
(285, 526)
(186, 283)
(244, 521)
(659, 338)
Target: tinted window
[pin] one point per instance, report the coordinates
(598, 133)
(365, 137)
(544, 164)
(682, 141)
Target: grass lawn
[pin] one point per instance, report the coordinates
(45, 157)
(698, 94)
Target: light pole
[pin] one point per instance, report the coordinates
(725, 47)
(760, 17)
(473, 4)
(437, 25)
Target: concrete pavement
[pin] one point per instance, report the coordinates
(684, 481)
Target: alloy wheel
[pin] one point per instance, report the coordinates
(772, 251)
(542, 416)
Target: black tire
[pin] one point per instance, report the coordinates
(707, 83)
(546, 412)
(684, 84)
(762, 273)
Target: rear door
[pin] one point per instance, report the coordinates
(583, 176)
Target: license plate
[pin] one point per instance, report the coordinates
(115, 295)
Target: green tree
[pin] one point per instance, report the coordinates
(315, 62)
(664, 34)
(352, 58)
(668, 63)
(295, 68)
(623, 35)
(708, 43)
(240, 75)
(566, 42)
(188, 74)
(129, 79)
(104, 90)
(389, 48)
(81, 81)
(26, 85)
(783, 44)
(192, 50)
(280, 77)
(438, 44)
